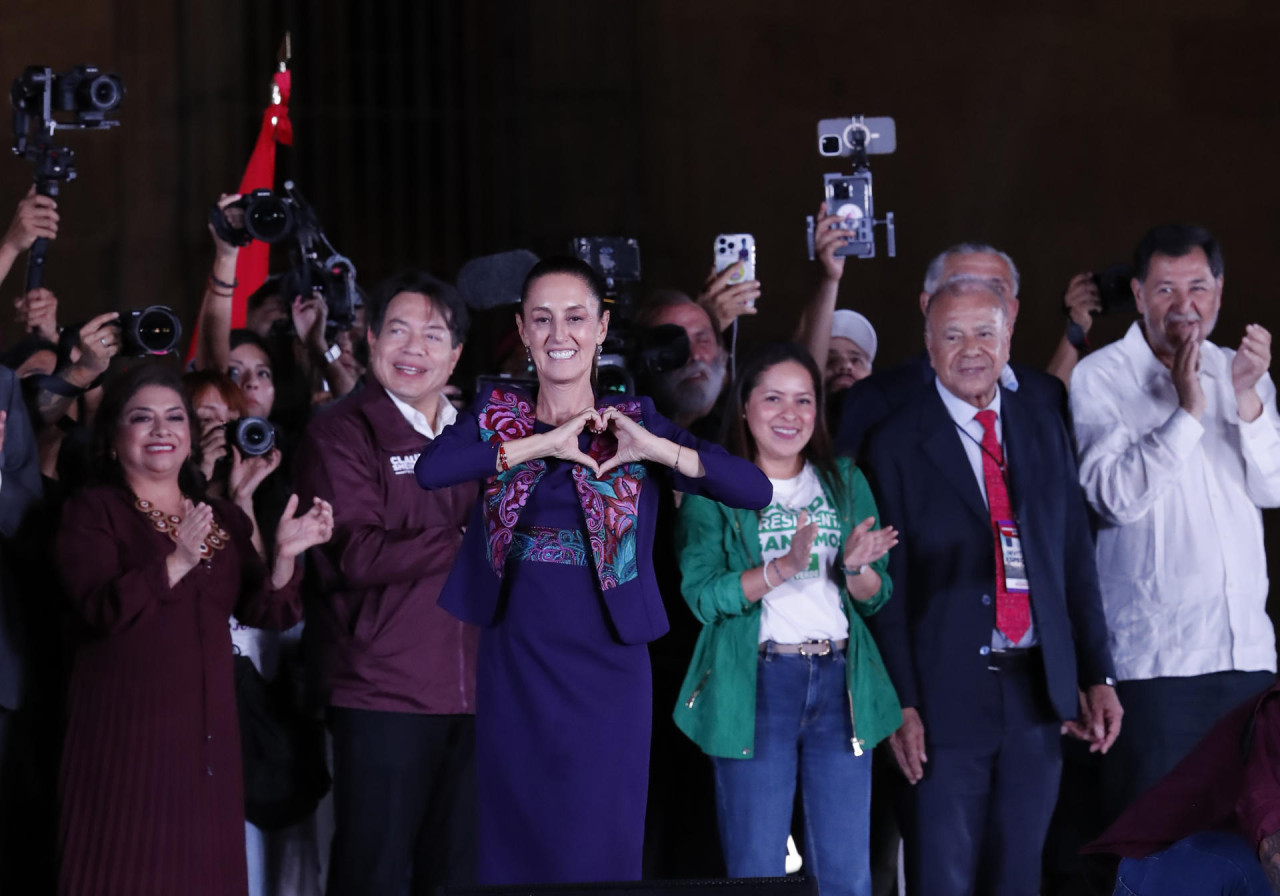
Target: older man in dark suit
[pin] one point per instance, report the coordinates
(996, 635)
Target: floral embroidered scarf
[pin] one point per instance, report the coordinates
(609, 504)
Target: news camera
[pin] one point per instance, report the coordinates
(43, 104)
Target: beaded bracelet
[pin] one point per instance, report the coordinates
(502, 458)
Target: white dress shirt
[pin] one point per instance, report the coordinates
(964, 415)
(446, 413)
(1180, 553)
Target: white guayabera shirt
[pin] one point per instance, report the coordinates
(1180, 552)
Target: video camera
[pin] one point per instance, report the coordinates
(38, 97)
(314, 265)
(850, 195)
(627, 353)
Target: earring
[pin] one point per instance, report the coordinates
(599, 349)
(528, 354)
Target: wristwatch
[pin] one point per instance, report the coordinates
(334, 353)
(854, 572)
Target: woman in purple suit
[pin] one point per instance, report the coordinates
(556, 567)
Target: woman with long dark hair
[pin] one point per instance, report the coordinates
(786, 683)
(556, 566)
(150, 787)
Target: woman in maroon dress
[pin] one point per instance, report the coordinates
(151, 795)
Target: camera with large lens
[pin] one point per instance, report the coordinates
(85, 91)
(263, 216)
(251, 436)
(154, 330)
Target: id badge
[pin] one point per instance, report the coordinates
(1015, 568)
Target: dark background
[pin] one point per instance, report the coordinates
(427, 133)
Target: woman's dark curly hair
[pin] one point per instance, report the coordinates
(104, 466)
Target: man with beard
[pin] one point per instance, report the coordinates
(688, 395)
(1179, 445)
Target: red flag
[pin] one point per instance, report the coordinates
(252, 262)
(260, 173)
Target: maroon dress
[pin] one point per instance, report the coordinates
(151, 789)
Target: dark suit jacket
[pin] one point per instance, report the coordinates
(869, 401)
(20, 488)
(935, 633)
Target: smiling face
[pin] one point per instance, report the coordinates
(562, 326)
(1179, 300)
(967, 333)
(250, 367)
(153, 438)
(781, 411)
(414, 355)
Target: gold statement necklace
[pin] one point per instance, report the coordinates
(167, 523)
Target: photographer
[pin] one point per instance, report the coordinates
(301, 356)
(688, 395)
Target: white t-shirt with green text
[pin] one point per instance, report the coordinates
(807, 606)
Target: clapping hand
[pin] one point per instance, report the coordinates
(1250, 363)
(295, 534)
(797, 559)
(192, 532)
(866, 545)
(1186, 374)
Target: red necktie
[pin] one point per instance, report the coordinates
(1013, 610)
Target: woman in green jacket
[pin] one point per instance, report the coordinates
(785, 678)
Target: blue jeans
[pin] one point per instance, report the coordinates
(802, 723)
(1205, 864)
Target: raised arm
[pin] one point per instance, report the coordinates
(213, 345)
(814, 329)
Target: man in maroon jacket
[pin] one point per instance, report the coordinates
(399, 670)
(1212, 825)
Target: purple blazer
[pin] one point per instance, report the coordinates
(471, 592)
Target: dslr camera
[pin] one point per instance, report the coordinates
(44, 99)
(154, 330)
(314, 265)
(251, 436)
(850, 195)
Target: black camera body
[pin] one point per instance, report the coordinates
(251, 436)
(267, 217)
(154, 330)
(85, 91)
(1115, 294)
(288, 218)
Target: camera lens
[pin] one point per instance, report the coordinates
(104, 93)
(268, 218)
(253, 436)
(154, 331)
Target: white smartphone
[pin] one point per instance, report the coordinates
(732, 248)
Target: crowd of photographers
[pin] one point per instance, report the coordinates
(371, 696)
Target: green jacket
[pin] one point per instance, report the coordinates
(717, 706)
